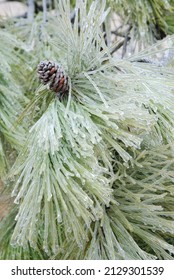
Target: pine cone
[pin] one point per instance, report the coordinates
(52, 73)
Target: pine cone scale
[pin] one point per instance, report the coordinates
(53, 74)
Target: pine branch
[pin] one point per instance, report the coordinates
(60, 169)
(94, 179)
(11, 98)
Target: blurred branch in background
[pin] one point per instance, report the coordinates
(31, 10)
(150, 20)
(44, 3)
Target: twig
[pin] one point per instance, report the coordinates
(116, 30)
(119, 34)
(44, 3)
(72, 16)
(127, 38)
(30, 10)
(120, 44)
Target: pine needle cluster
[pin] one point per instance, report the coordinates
(11, 99)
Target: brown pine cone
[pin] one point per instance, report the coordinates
(52, 73)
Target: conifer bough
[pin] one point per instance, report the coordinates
(53, 73)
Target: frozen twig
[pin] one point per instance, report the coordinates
(44, 3)
(127, 38)
(30, 10)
